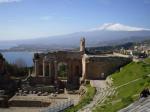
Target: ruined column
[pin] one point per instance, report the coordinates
(36, 67)
(69, 71)
(44, 63)
(29, 72)
(82, 45)
(85, 61)
(50, 69)
(55, 67)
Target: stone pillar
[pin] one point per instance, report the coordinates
(84, 66)
(50, 73)
(44, 69)
(82, 45)
(36, 68)
(69, 71)
(29, 72)
(55, 67)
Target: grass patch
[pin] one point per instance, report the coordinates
(110, 107)
(87, 98)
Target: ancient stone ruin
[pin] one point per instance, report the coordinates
(80, 66)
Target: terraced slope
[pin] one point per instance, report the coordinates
(142, 105)
(128, 83)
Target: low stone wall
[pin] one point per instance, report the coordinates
(24, 103)
(49, 89)
(4, 101)
(101, 67)
(41, 80)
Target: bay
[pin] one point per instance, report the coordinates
(12, 57)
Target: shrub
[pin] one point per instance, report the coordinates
(144, 76)
(85, 100)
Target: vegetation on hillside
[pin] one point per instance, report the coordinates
(129, 82)
(7, 71)
(86, 99)
(16, 71)
(111, 48)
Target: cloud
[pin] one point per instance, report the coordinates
(9, 1)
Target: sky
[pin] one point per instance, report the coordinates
(24, 19)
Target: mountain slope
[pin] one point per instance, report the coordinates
(103, 35)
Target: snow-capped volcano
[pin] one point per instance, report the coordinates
(106, 34)
(118, 27)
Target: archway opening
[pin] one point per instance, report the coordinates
(62, 70)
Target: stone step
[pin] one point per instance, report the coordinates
(143, 105)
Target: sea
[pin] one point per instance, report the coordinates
(11, 57)
(26, 57)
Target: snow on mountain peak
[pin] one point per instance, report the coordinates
(117, 27)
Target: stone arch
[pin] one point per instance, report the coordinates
(62, 69)
(50, 65)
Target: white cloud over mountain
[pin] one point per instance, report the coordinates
(117, 27)
(9, 1)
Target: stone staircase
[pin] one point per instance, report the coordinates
(102, 93)
(143, 105)
(60, 107)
